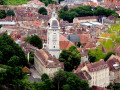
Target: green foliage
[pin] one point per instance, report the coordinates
(79, 44)
(9, 49)
(46, 2)
(85, 11)
(0, 26)
(11, 76)
(44, 76)
(66, 87)
(31, 58)
(42, 11)
(4, 66)
(15, 2)
(36, 41)
(115, 15)
(10, 13)
(69, 81)
(2, 2)
(71, 58)
(108, 55)
(95, 55)
(65, 8)
(14, 61)
(2, 14)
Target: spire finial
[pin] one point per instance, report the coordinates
(54, 7)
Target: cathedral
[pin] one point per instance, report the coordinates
(53, 36)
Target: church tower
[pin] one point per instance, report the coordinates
(53, 36)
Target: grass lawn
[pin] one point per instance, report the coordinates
(16, 2)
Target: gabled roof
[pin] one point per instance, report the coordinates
(89, 45)
(84, 75)
(65, 44)
(96, 66)
(111, 62)
(26, 70)
(47, 59)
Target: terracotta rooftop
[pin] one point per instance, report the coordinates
(47, 59)
(83, 75)
(65, 44)
(96, 66)
(26, 70)
(89, 45)
(111, 62)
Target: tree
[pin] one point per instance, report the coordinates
(66, 87)
(11, 76)
(83, 11)
(2, 14)
(2, 2)
(115, 15)
(59, 79)
(36, 41)
(71, 58)
(65, 8)
(79, 44)
(44, 77)
(14, 61)
(31, 58)
(42, 11)
(9, 49)
(108, 55)
(10, 13)
(1, 57)
(69, 81)
(95, 55)
(0, 26)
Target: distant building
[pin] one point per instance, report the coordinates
(95, 73)
(53, 36)
(84, 19)
(45, 63)
(114, 64)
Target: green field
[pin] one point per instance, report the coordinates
(16, 2)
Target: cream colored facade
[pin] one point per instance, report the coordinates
(76, 20)
(99, 78)
(41, 67)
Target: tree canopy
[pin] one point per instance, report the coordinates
(69, 81)
(46, 2)
(34, 40)
(10, 13)
(44, 76)
(10, 53)
(2, 14)
(71, 58)
(42, 11)
(85, 11)
(95, 55)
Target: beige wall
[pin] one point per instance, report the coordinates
(99, 78)
(39, 65)
(76, 20)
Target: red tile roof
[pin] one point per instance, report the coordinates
(89, 45)
(96, 66)
(65, 44)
